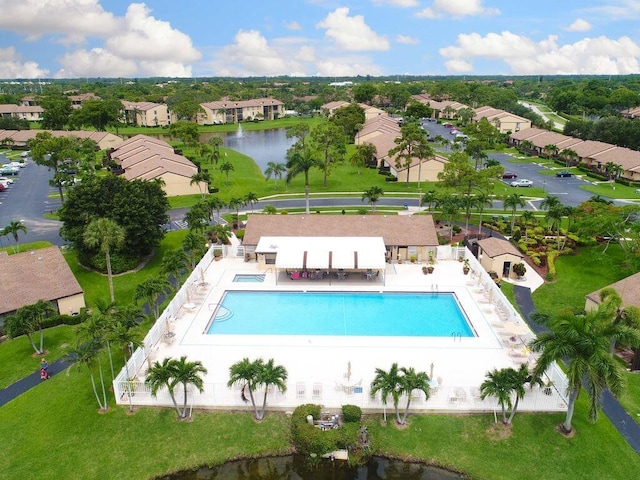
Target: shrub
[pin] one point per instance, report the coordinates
(351, 413)
(456, 229)
(519, 269)
(391, 179)
(120, 262)
(240, 234)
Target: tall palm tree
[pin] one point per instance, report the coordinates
(127, 339)
(174, 262)
(216, 142)
(250, 198)
(188, 373)
(429, 198)
(107, 235)
(372, 196)
(502, 384)
(271, 374)
(388, 384)
(583, 341)
(150, 291)
(199, 178)
(275, 170)
(214, 204)
(163, 375)
(27, 320)
(194, 246)
(235, 203)
(512, 202)
(569, 156)
(411, 381)
(482, 200)
(219, 233)
(226, 168)
(245, 374)
(13, 229)
(301, 162)
(197, 217)
(85, 354)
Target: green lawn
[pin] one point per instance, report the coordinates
(612, 190)
(630, 399)
(578, 275)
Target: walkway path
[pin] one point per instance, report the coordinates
(28, 382)
(616, 414)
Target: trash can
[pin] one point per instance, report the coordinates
(406, 206)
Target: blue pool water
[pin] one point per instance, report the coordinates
(339, 314)
(245, 278)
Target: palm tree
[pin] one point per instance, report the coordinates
(388, 383)
(13, 229)
(269, 210)
(127, 339)
(449, 205)
(219, 233)
(188, 373)
(502, 384)
(429, 198)
(245, 374)
(214, 203)
(194, 246)
(106, 234)
(363, 154)
(301, 162)
(216, 142)
(513, 201)
(549, 202)
(569, 156)
(27, 320)
(197, 217)
(173, 264)
(526, 218)
(235, 203)
(275, 170)
(372, 196)
(270, 374)
(250, 198)
(226, 168)
(150, 291)
(39, 311)
(163, 375)
(411, 381)
(584, 341)
(198, 178)
(482, 200)
(85, 354)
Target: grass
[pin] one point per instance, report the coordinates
(630, 399)
(26, 247)
(19, 358)
(612, 190)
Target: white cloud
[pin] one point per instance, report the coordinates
(397, 3)
(74, 19)
(579, 25)
(352, 33)
(146, 38)
(618, 10)
(458, 66)
(346, 67)
(12, 66)
(456, 9)
(406, 40)
(524, 56)
(96, 62)
(292, 25)
(251, 55)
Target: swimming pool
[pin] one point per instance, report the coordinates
(248, 278)
(339, 314)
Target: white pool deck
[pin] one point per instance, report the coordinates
(334, 371)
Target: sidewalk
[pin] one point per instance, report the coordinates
(27, 383)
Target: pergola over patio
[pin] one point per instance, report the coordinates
(326, 254)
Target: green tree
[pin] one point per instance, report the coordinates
(412, 143)
(199, 178)
(512, 202)
(502, 384)
(250, 198)
(194, 246)
(388, 384)
(226, 168)
(429, 198)
(246, 375)
(348, 118)
(301, 161)
(482, 200)
(174, 262)
(57, 110)
(364, 92)
(216, 142)
(186, 132)
(219, 233)
(197, 217)
(363, 154)
(372, 196)
(270, 374)
(214, 204)
(27, 320)
(275, 170)
(105, 234)
(150, 290)
(583, 341)
(330, 143)
(98, 114)
(163, 375)
(188, 373)
(412, 381)
(569, 156)
(235, 203)
(85, 354)
(13, 229)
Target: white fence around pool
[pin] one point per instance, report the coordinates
(130, 389)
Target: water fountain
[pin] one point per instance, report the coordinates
(239, 133)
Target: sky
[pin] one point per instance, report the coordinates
(209, 38)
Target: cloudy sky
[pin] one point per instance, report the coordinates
(187, 38)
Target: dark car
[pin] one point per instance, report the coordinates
(509, 175)
(564, 173)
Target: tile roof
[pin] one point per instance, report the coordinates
(493, 247)
(628, 288)
(403, 230)
(31, 276)
(255, 102)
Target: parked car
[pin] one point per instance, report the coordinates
(447, 125)
(523, 182)
(17, 164)
(509, 175)
(2, 187)
(564, 173)
(25, 154)
(461, 137)
(8, 170)
(6, 180)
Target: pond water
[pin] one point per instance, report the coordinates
(263, 146)
(296, 467)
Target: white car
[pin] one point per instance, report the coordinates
(25, 154)
(523, 182)
(17, 164)
(6, 180)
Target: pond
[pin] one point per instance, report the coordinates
(296, 467)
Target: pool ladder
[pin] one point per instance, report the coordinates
(457, 336)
